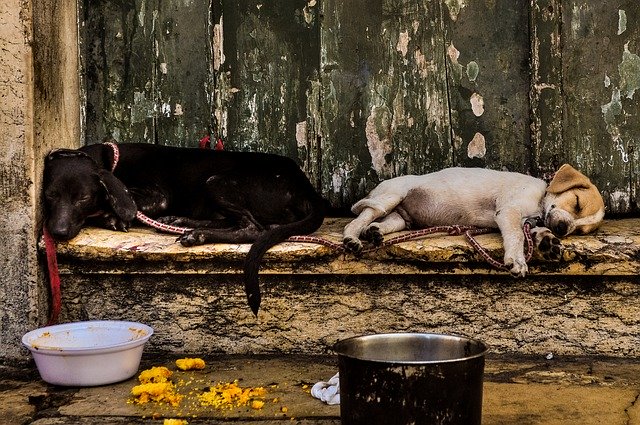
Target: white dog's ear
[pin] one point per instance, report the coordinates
(567, 178)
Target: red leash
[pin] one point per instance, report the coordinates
(54, 276)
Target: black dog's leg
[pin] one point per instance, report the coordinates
(151, 201)
(205, 235)
(221, 224)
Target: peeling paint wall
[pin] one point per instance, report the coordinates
(487, 57)
(360, 91)
(384, 103)
(147, 71)
(268, 78)
(600, 78)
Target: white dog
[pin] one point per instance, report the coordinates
(482, 198)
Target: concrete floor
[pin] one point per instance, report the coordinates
(516, 391)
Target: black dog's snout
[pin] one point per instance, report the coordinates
(59, 231)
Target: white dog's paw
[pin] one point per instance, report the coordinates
(517, 266)
(548, 245)
(352, 245)
(372, 234)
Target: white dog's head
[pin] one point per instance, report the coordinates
(572, 203)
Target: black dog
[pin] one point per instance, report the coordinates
(224, 196)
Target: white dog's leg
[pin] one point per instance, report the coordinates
(353, 230)
(509, 221)
(375, 232)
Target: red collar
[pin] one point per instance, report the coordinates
(116, 154)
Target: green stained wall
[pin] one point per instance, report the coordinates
(360, 91)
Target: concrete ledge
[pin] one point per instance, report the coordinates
(614, 250)
(586, 305)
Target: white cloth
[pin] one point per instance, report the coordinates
(329, 391)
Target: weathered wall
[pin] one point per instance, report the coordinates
(39, 111)
(17, 234)
(360, 91)
(600, 76)
(147, 70)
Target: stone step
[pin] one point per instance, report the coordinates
(313, 295)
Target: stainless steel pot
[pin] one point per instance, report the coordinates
(410, 378)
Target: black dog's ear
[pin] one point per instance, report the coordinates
(66, 153)
(118, 196)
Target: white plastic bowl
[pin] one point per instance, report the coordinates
(88, 353)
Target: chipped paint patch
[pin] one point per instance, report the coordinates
(576, 20)
(622, 21)
(618, 143)
(629, 70)
(403, 43)
(141, 14)
(421, 63)
(455, 6)
(301, 134)
(142, 107)
(472, 70)
(218, 45)
(178, 110)
(163, 68)
(457, 140)
(477, 148)
(309, 13)
(607, 80)
(619, 197)
(456, 67)
(341, 174)
(378, 132)
(477, 104)
(166, 109)
(613, 108)
(453, 53)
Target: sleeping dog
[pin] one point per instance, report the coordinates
(226, 197)
(482, 198)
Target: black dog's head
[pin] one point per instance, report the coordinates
(76, 188)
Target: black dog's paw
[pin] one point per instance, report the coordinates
(372, 234)
(548, 245)
(193, 238)
(112, 222)
(352, 245)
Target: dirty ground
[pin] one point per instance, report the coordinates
(516, 391)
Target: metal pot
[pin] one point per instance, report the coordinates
(410, 378)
